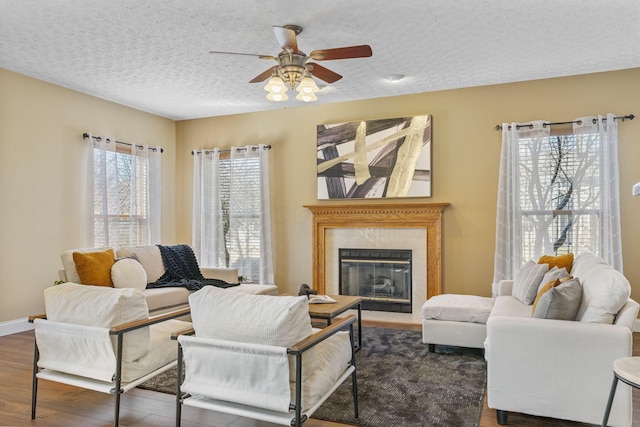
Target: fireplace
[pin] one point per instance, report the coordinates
(415, 226)
(382, 277)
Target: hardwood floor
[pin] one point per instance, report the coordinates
(65, 406)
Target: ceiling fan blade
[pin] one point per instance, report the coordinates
(323, 73)
(361, 51)
(244, 54)
(264, 75)
(286, 38)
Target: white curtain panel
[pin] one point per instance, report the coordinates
(250, 212)
(208, 229)
(524, 186)
(123, 195)
(606, 127)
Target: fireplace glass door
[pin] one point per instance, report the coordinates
(382, 277)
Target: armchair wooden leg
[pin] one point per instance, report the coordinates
(502, 417)
(432, 348)
(34, 383)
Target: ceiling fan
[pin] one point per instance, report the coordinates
(294, 68)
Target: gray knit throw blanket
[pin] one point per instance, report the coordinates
(182, 270)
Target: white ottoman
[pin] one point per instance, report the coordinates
(456, 320)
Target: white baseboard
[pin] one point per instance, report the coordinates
(15, 326)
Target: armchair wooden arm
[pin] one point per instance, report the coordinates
(37, 316)
(322, 334)
(186, 331)
(137, 324)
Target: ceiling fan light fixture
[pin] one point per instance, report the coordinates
(277, 97)
(307, 86)
(306, 97)
(275, 85)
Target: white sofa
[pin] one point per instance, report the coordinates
(559, 368)
(159, 300)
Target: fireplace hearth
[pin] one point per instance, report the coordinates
(382, 277)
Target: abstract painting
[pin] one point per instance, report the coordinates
(383, 158)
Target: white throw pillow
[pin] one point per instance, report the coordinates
(102, 307)
(526, 282)
(605, 290)
(128, 273)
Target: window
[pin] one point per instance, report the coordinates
(558, 193)
(560, 205)
(125, 196)
(241, 218)
(231, 211)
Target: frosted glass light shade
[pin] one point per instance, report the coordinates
(277, 97)
(306, 97)
(308, 86)
(275, 85)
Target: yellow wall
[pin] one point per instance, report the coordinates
(42, 169)
(42, 157)
(466, 151)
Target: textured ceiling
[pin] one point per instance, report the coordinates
(153, 55)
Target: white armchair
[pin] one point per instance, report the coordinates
(257, 356)
(102, 339)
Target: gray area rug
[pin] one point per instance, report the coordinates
(400, 384)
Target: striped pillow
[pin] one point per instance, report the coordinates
(526, 282)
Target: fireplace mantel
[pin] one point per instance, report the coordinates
(380, 215)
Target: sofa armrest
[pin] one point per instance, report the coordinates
(560, 369)
(628, 314)
(229, 275)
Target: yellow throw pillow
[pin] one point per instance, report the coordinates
(545, 288)
(561, 261)
(94, 268)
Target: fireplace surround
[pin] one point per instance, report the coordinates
(407, 215)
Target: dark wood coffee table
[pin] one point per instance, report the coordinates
(328, 311)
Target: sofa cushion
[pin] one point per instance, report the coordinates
(457, 308)
(604, 290)
(101, 307)
(526, 282)
(509, 306)
(560, 261)
(149, 257)
(559, 302)
(128, 273)
(259, 319)
(158, 298)
(94, 268)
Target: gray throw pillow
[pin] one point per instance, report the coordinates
(560, 302)
(552, 275)
(526, 282)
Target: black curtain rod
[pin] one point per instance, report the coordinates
(99, 138)
(266, 147)
(628, 116)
